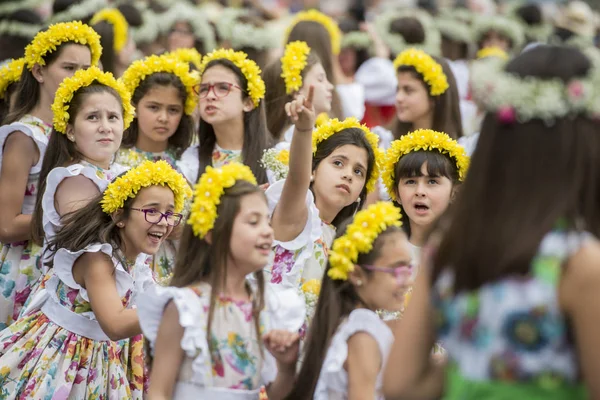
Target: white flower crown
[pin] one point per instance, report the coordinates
(9, 7)
(523, 99)
(454, 29)
(193, 16)
(503, 25)
(18, 28)
(357, 40)
(78, 11)
(396, 43)
(147, 32)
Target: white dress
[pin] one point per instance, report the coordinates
(235, 369)
(333, 379)
(189, 162)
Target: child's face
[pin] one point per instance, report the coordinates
(72, 58)
(385, 290)
(340, 177)
(181, 36)
(251, 235)
(347, 59)
(412, 99)
(139, 235)
(98, 128)
(323, 92)
(494, 39)
(216, 107)
(158, 114)
(424, 198)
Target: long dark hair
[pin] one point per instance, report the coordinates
(524, 179)
(337, 300)
(182, 138)
(61, 152)
(446, 107)
(409, 166)
(318, 39)
(276, 96)
(107, 41)
(198, 261)
(355, 137)
(256, 134)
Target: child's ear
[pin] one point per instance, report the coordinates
(117, 217)
(453, 193)
(208, 237)
(357, 277)
(248, 104)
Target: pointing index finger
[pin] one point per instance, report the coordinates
(309, 99)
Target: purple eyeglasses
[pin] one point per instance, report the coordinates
(154, 216)
(401, 272)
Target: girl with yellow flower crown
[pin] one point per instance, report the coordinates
(330, 172)
(347, 346)
(10, 74)
(209, 330)
(162, 90)
(232, 126)
(116, 39)
(83, 339)
(53, 55)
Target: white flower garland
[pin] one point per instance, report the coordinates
(357, 40)
(503, 25)
(147, 32)
(271, 162)
(78, 11)
(193, 16)
(397, 44)
(9, 7)
(17, 28)
(454, 29)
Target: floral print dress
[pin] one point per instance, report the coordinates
(228, 363)
(19, 266)
(190, 163)
(59, 350)
(509, 339)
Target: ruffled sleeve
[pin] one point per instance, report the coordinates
(189, 164)
(143, 278)
(40, 139)
(378, 77)
(65, 259)
(192, 311)
(352, 96)
(51, 218)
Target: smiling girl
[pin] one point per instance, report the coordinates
(53, 55)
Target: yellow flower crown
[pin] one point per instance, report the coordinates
(208, 191)
(120, 26)
(47, 41)
(332, 27)
(333, 126)
(359, 237)
(427, 67)
(83, 78)
(492, 52)
(426, 140)
(141, 69)
(187, 55)
(146, 174)
(293, 63)
(10, 74)
(252, 72)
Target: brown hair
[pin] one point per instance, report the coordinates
(446, 107)
(410, 28)
(524, 178)
(276, 96)
(318, 39)
(60, 152)
(259, 56)
(198, 261)
(454, 50)
(337, 300)
(256, 134)
(182, 138)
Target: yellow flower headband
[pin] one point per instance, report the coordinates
(146, 174)
(359, 237)
(10, 74)
(332, 27)
(83, 78)
(427, 67)
(187, 55)
(333, 126)
(208, 191)
(426, 140)
(47, 41)
(119, 24)
(141, 69)
(293, 63)
(252, 72)
(492, 52)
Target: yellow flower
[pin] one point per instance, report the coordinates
(359, 237)
(321, 119)
(5, 370)
(492, 52)
(284, 157)
(208, 191)
(84, 78)
(146, 174)
(427, 67)
(250, 70)
(426, 140)
(312, 286)
(188, 56)
(141, 69)
(48, 41)
(333, 126)
(10, 73)
(119, 24)
(293, 63)
(335, 34)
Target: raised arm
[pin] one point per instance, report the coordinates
(291, 213)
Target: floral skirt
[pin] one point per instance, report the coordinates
(41, 360)
(19, 271)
